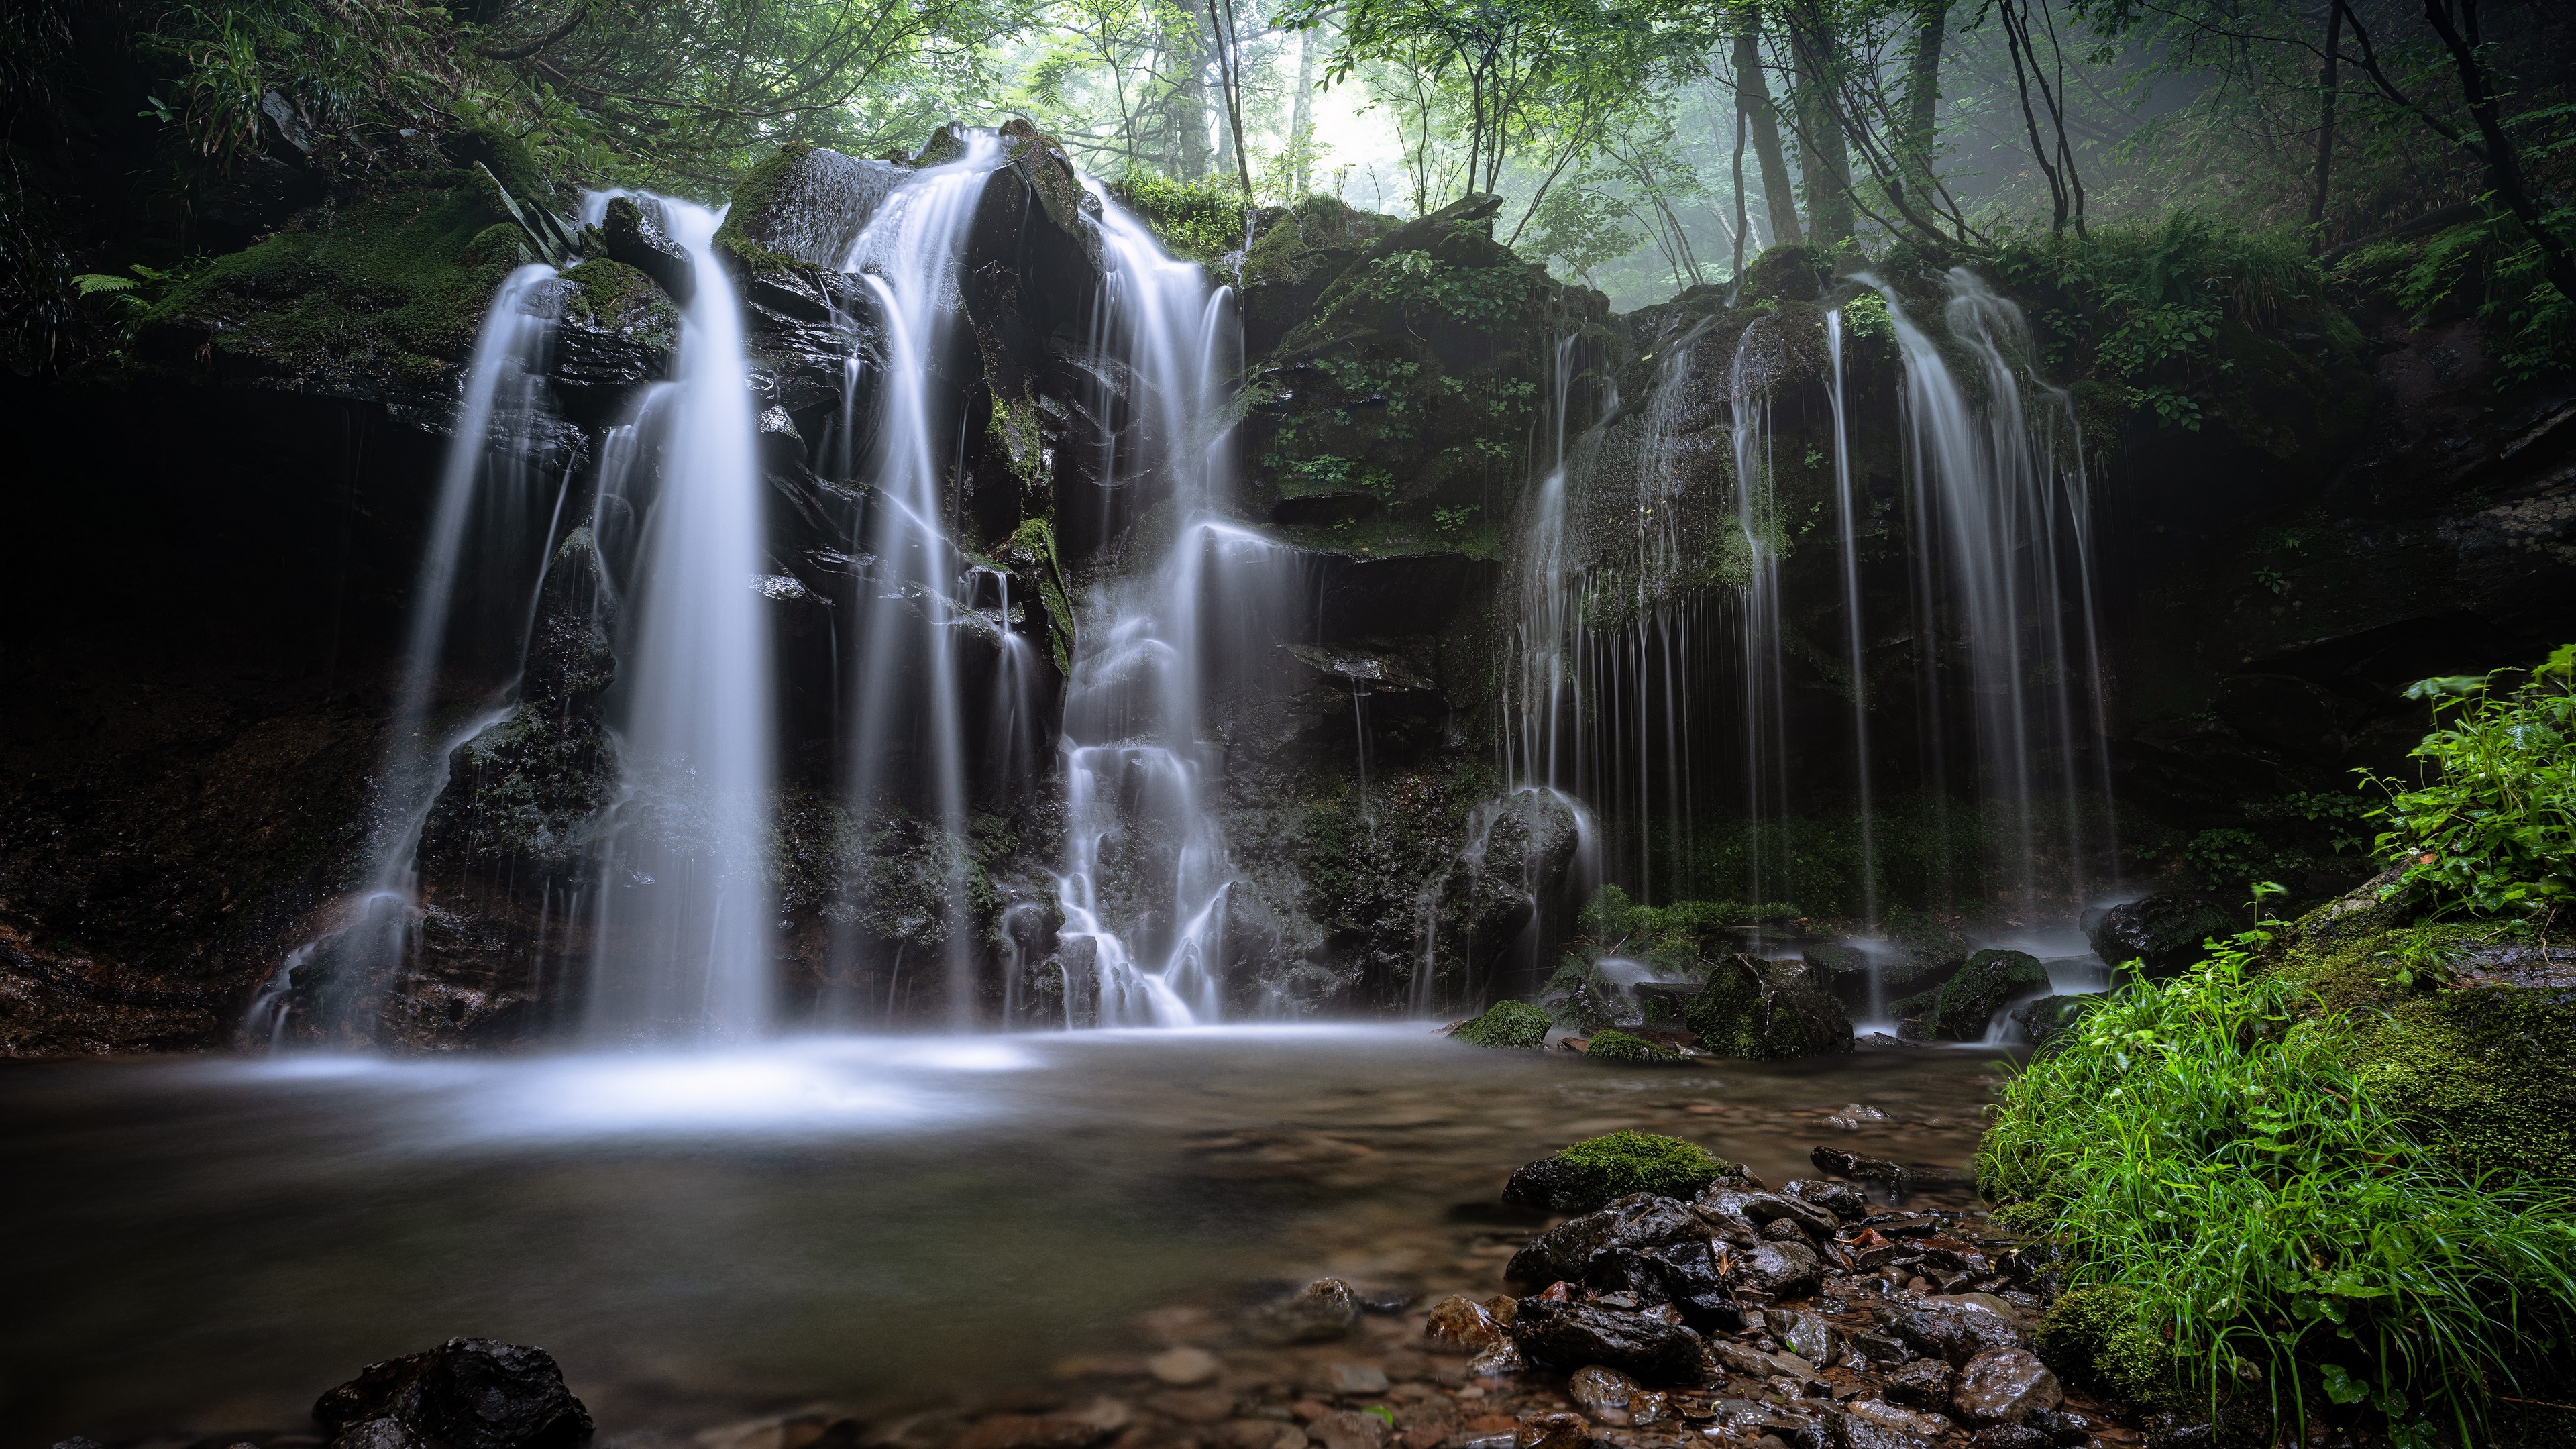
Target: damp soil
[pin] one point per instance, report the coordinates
(893, 1230)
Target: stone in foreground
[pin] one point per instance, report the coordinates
(467, 1393)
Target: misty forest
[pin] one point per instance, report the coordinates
(1288, 724)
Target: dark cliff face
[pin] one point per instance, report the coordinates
(212, 555)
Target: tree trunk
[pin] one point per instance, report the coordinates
(1923, 95)
(1753, 95)
(2325, 134)
(1185, 116)
(1301, 116)
(2504, 168)
(1824, 162)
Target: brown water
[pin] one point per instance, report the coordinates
(205, 1245)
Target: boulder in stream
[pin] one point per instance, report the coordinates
(1766, 1011)
(467, 1393)
(1571, 1335)
(1505, 1024)
(1600, 1170)
(1963, 1007)
(2161, 933)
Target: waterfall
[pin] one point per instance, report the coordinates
(1849, 522)
(685, 915)
(908, 730)
(1146, 882)
(475, 562)
(2001, 520)
(1756, 577)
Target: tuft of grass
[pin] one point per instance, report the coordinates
(1613, 1166)
(2206, 1148)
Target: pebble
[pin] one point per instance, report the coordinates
(1183, 1367)
(1358, 1379)
(1350, 1430)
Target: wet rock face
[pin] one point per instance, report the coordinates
(2004, 1386)
(1574, 1248)
(2162, 932)
(635, 240)
(1570, 1335)
(1766, 1011)
(1956, 1335)
(809, 203)
(1962, 1008)
(467, 1393)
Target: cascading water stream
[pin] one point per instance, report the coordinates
(685, 936)
(1757, 595)
(907, 256)
(1145, 888)
(1847, 517)
(486, 494)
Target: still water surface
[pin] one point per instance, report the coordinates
(206, 1244)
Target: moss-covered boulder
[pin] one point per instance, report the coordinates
(2051, 1017)
(378, 295)
(1599, 1170)
(1790, 273)
(1506, 1024)
(1766, 1011)
(1962, 1008)
(807, 204)
(2163, 933)
(616, 330)
(1297, 252)
(2487, 1075)
(1614, 1045)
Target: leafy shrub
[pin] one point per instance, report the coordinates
(2532, 329)
(2493, 827)
(2206, 1148)
(1201, 220)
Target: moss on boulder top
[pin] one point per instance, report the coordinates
(806, 203)
(1613, 1045)
(1506, 1024)
(376, 295)
(1602, 1169)
(1961, 1008)
(1766, 1011)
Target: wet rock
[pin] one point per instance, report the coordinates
(1900, 1177)
(375, 1434)
(1847, 1203)
(1552, 1431)
(1194, 1406)
(1783, 1230)
(1257, 1434)
(1507, 1024)
(1462, 1325)
(1922, 1384)
(1030, 1431)
(2162, 933)
(1954, 1334)
(634, 239)
(1592, 1172)
(1317, 1313)
(1852, 1431)
(1766, 1010)
(615, 332)
(1904, 1421)
(467, 1393)
(1574, 1249)
(1966, 1004)
(1806, 1334)
(2013, 1436)
(809, 203)
(1573, 1335)
(1349, 1430)
(2051, 1017)
(1694, 1282)
(1841, 970)
(1602, 1393)
(1496, 1362)
(1183, 1367)
(2003, 1386)
(1358, 1379)
(1783, 1270)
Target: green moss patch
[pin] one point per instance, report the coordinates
(2487, 1078)
(1506, 1024)
(1611, 1167)
(1613, 1045)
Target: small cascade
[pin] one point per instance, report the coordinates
(1146, 882)
(907, 733)
(2001, 519)
(685, 915)
(1755, 574)
(1847, 517)
(479, 562)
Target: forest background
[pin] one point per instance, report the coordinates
(1640, 146)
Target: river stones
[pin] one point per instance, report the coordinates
(1922, 1384)
(1956, 1334)
(1463, 1325)
(467, 1393)
(1806, 1334)
(1601, 1392)
(1573, 1335)
(2004, 1386)
(1351, 1430)
(1782, 1270)
(1317, 1313)
(1552, 1431)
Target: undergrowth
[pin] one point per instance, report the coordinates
(2492, 261)
(2491, 830)
(2247, 1219)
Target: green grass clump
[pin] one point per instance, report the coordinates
(1506, 1024)
(2208, 1149)
(2492, 830)
(1621, 1163)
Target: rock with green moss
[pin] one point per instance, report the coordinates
(1614, 1045)
(2094, 1339)
(1599, 1170)
(1506, 1024)
(1766, 1011)
(806, 203)
(615, 331)
(2163, 933)
(1965, 1005)
(2486, 1075)
(637, 240)
(2051, 1017)
(1789, 273)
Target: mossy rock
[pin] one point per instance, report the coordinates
(1614, 1045)
(2052, 1017)
(1967, 1003)
(1766, 1011)
(806, 203)
(1506, 1024)
(1603, 1169)
(1790, 273)
(2486, 1076)
(2094, 1339)
(384, 293)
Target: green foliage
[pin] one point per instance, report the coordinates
(1421, 288)
(2492, 829)
(1581, 228)
(1866, 319)
(2097, 1338)
(1201, 220)
(1613, 1045)
(2531, 328)
(2207, 1149)
(1621, 1163)
(1506, 1024)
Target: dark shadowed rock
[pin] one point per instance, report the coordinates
(1810, 1336)
(635, 239)
(1572, 1250)
(1552, 1431)
(1766, 1010)
(2012, 1436)
(2003, 1386)
(2051, 1017)
(2162, 932)
(1572, 1335)
(1317, 1313)
(467, 1393)
(1846, 1202)
(1954, 1334)
(1782, 1270)
(1922, 1384)
(1964, 1005)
